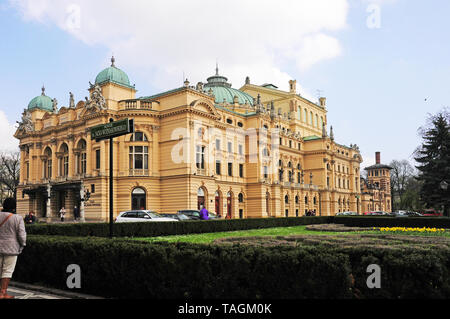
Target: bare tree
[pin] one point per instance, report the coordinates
(402, 176)
(10, 171)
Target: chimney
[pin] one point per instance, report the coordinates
(378, 157)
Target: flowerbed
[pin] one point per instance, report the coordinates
(426, 230)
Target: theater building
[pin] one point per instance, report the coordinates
(257, 151)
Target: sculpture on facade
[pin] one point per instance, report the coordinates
(71, 101)
(97, 101)
(55, 105)
(27, 124)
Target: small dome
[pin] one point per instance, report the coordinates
(222, 90)
(114, 75)
(42, 102)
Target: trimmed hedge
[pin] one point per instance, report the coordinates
(381, 221)
(127, 269)
(169, 228)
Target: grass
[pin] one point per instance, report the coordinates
(268, 232)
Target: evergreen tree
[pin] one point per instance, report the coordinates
(433, 157)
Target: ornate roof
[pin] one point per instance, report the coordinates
(222, 90)
(113, 75)
(42, 102)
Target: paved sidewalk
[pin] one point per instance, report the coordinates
(26, 291)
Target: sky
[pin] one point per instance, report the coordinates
(383, 65)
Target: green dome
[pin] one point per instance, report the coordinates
(222, 90)
(42, 102)
(114, 75)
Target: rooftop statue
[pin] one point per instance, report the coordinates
(71, 101)
(55, 105)
(97, 100)
(27, 124)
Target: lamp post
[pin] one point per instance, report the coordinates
(444, 187)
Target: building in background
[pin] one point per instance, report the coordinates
(376, 189)
(253, 152)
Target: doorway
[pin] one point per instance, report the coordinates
(139, 199)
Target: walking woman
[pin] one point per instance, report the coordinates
(12, 241)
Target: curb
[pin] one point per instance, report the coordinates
(52, 291)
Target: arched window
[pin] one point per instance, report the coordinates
(311, 118)
(305, 119)
(317, 120)
(299, 112)
(286, 199)
(139, 199)
(296, 200)
(139, 137)
(241, 198)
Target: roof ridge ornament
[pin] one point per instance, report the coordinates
(43, 90)
(113, 61)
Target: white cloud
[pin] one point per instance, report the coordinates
(162, 39)
(9, 143)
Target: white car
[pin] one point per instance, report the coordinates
(141, 216)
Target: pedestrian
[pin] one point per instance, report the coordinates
(12, 241)
(76, 213)
(62, 213)
(204, 214)
(30, 218)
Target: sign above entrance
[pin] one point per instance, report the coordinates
(111, 130)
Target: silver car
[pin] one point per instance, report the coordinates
(141, 216)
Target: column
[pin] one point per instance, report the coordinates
(49, 201)
(82, 190)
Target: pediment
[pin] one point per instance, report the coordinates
(205, 106)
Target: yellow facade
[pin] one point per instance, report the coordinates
(190, 148)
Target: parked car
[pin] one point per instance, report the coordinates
(195, 214)
(180, 217)
(413, 214)
(431, 213)
(347, 214)
(139, 216)
(376, 213)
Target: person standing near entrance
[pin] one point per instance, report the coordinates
(12, 241)
(62, 213)
(76, 213)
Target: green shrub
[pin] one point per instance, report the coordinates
(127, 269)
(382, 221)
(170, 228)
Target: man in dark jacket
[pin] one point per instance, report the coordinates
(12, 241)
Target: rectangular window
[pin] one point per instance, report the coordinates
(83, 163)
(93, 189)
(230, 147)
(217, 145)
(200, 157)
(266, 172)
(49, 168)
(290, 144)
(241, 170)
(218, 168)
(66, 166)
(230, 169)
(241, 150)
(97, 159)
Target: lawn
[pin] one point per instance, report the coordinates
(268, 232)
